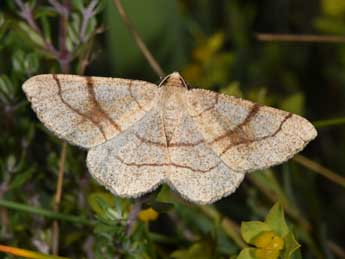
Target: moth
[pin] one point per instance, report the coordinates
(140, 135)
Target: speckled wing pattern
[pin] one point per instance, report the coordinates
(197, 172)
(88, 111)
(246, 135)
(199, 142)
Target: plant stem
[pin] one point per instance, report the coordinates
(337, 250)
(44, 212)
(290, 209)
(60, 8)
(331, 122)
(133, 214)
(64, 61)
(57, 199)
(26, 13)
(138, 40)
(64, 56)
(88, 13)
(300, 38)
(310, 164)
(231, 228)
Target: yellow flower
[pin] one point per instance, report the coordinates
(269, 240)
(148, 215)
(269, 245)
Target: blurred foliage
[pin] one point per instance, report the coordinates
(213, 44)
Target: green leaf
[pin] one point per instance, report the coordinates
(276, 220)
(200, 250)
(233, 89)
(91, 27)
(294, 103)
(44, 12)
(268, 181)
(100, 201)
(77, 4)
(74, 30)
(18, 60)
(259, 95)
(291, 246)
(247, 253)
(7, 89)
(20, 179)
(46, 26)
(11, 163)
(251, 229)
(31, 63)
(31, 34)
(25, 64)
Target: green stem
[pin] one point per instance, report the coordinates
(274, 193)
(44, 212)
(316, 167)
(331, 122)
(162, 239)
(230, 228)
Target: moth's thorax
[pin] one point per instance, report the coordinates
(172, 103)
(173, 80)
(173, 90)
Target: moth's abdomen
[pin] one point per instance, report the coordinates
(171, 117)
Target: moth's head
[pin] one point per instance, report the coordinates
(174, 79)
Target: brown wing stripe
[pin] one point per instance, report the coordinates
(96, 106)
(143, 140)
(288, 116)
(76, 110)
(281, 124)
(182, 144)
(132, 96)
(209, 108)
(167, 164)
(255, 109)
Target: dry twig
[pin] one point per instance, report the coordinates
(138, 40)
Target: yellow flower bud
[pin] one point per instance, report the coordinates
(269, 240)
(148, 215)
(277, 243)
(264, 239)
(261, 253)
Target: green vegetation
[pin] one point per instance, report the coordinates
(214, 45)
